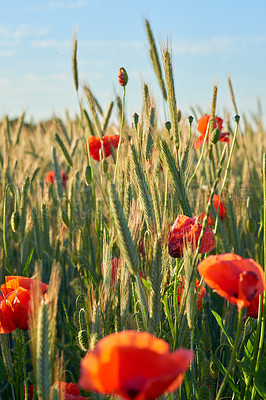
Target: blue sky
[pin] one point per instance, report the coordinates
(210, 40)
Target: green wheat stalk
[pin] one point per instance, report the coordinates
(155, 59)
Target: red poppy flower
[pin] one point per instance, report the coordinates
(134, 365)
(68, 391)
(115, 264)
(95, 144)
(239, 280)
(210, 220)
(30, 392)
(202, 128)
(201, 293)
(215, 201)
(122, 76)
(187, 230)
(253, 308)
(222, 211)
(15, 302)
(50, 178)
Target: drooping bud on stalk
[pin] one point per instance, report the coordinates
(15, 217)
(122, 76)
(250, 225)
(215, 135)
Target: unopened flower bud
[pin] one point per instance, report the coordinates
(204, 393)
(136, 119)
(105, 166)
(190, 119)
(215, 135)
(179, 115)
(83, 340)
(122, 76)
(250, 225)
(214, 370)
(168, 125)
(88, 175)
(15, 217)
(237, 118)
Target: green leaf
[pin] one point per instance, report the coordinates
(260, 379)
(221, 325)
(25, 269)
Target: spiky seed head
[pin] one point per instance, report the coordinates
(215, 135)
(122, 76)
(15, 217)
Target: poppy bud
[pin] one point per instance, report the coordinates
(83, 340)
(206, 341)
(136, 119)
(204, 393)
(74, 257)
(15, 217)
(168, 125)
(179, 115)
(190, 119)
(250, 225)
(64, 216)
(88, 175)
(215, 135)
(76, 319)
(105, 166)
(237, 118)
(214, 370)
(122, 76)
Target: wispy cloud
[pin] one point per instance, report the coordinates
(112, 46)
(70, 5)
(44, 43)
(22, 31)
(7, 52)
(212, 45)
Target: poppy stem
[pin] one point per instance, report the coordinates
(121, 130)
(259, 340)
(233, 356)
(199, 162)
(9, 186)
(229, 158)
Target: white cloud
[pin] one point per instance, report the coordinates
(70, 5)
(21, 31)
(44, 43)
(112, 46)
(224, 44)
(7, 53)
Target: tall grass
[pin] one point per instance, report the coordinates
(123, 207)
